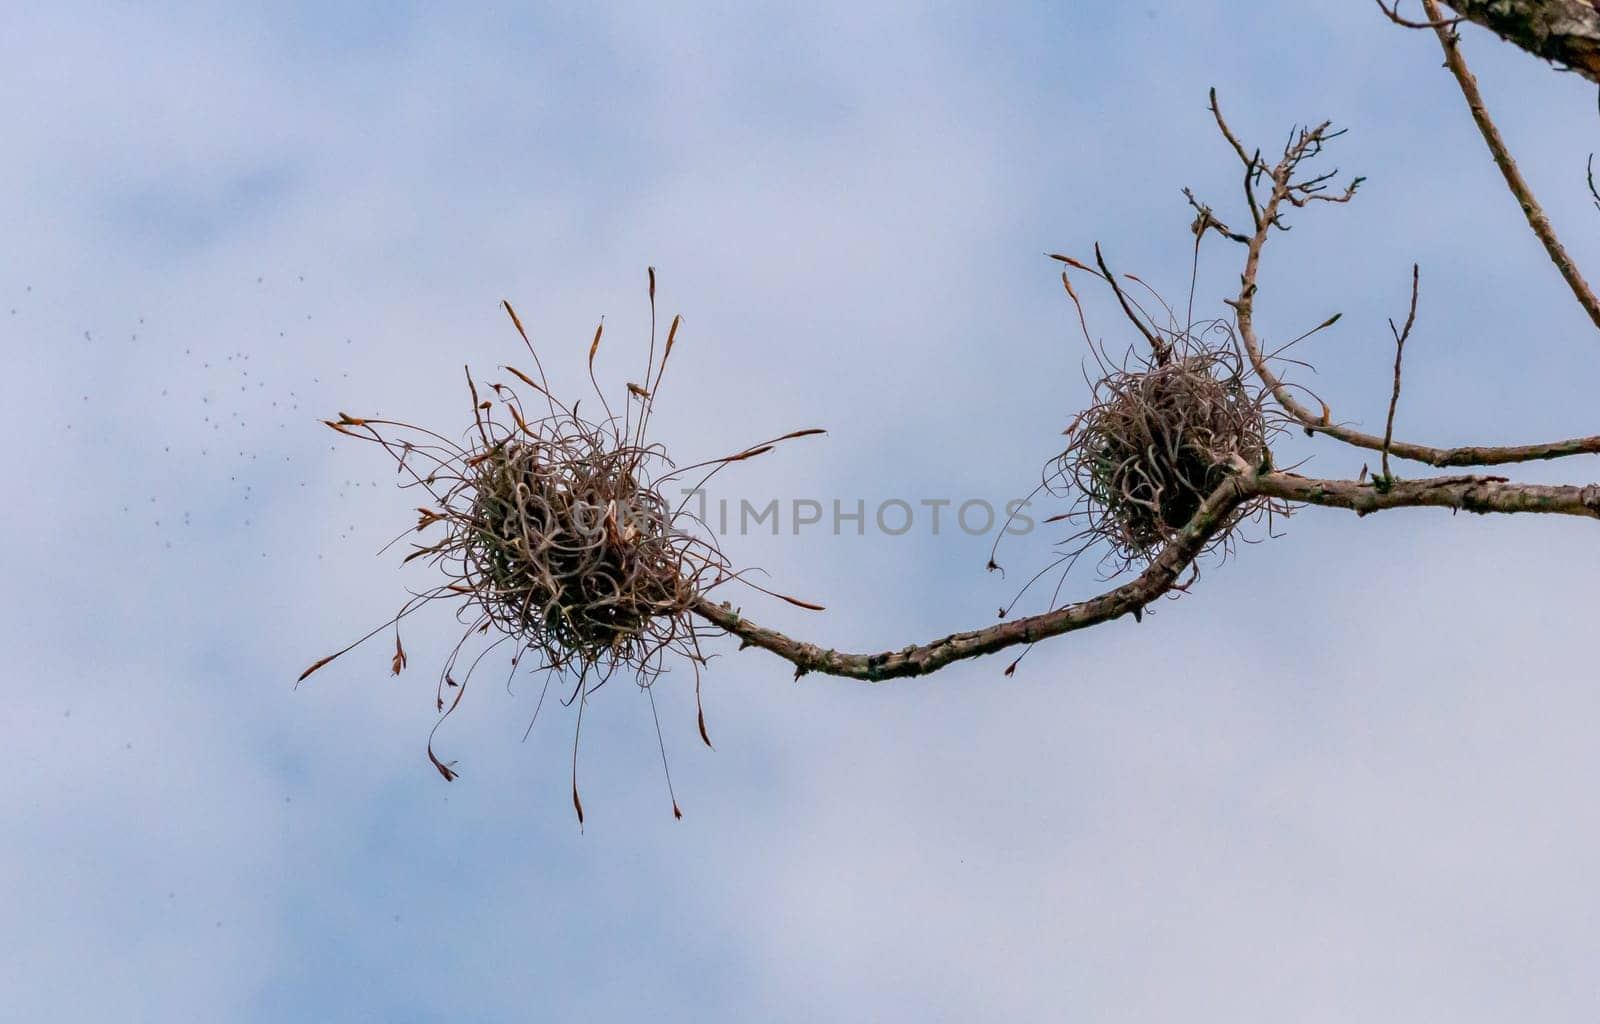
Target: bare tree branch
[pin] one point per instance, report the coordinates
(1508, 167)
(1469, 493)
(1463, 493)
(917, 660)
(1564, 31)
(1393, 12)
(1308, 143)
(1400, 337)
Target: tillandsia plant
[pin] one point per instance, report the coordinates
(1164, 429)
(1170, 420)
(552, 534)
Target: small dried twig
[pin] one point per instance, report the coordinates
(1393, 13)
(1157, 346)
(1400, 337)
(1205, 220)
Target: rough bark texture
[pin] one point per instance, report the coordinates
(921, 659)
(1565, 31)
(1482, 494)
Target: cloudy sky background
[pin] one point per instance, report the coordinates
(1350, 777)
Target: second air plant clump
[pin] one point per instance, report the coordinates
(1166, 425)
(1156, 440)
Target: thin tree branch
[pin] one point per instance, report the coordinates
(1465, 493)
(1269, 218)
(1469, 493)
(1393, 13)
(1508, 167)
(1400, 337)
(1159, 577)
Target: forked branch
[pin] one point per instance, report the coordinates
(1286, 188)
(1481, 494)
(1400, 336)
(1270, 192)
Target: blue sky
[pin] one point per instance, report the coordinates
(1346, 778)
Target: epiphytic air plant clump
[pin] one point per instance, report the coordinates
(1159, 437)
(1166, 425)
(553, 534)
(567, 547)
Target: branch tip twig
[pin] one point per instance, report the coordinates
(1400, 337)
